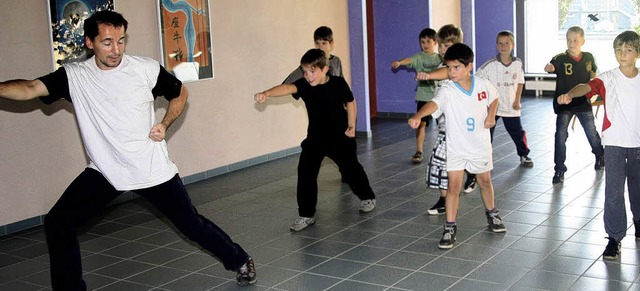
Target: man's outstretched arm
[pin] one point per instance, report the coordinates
(23, 89)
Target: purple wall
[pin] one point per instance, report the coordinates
(397, 26)
(489, 20)
(358, 74)
(466, 21)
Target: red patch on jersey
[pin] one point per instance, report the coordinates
(482, 95)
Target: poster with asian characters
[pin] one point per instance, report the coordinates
(185, 37)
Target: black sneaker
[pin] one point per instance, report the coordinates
(599, 163)
(636, 224)
(438, 208)
(448, 237)
(612, 251)
(470, 184)
(495, 222)
(247, 273)
(558, 177)
(417, 158)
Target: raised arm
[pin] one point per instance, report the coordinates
(577, 91)
(425, 110)
(23, 89)
(403, 62)
(437, 74)
(549, 68)
(277, 91)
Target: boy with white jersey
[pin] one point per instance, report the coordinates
(506, 73)
(470, 104)
(621, 136)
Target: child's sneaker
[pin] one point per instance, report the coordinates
(526, 161)
(558, 177)
(438, 208)
(367, 205)
(599, 163)
(417, 158)
(470, 184)
(612, 251)
(495, 222)
(247, 273)
(448, 236)
(302, 223)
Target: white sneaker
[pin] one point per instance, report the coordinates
(367, 205)
(526, 161)
(302, 223)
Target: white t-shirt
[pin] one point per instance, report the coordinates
(621, 124)
(115, 113)
(506, 80)
(466, 112)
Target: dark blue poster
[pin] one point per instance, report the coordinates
(67, 34)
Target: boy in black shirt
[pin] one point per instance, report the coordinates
(332, 118)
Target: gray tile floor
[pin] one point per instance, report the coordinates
(554, 240)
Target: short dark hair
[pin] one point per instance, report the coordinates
(459, 52)
(629, 38)
(107, 17)
(323, 33)
(428, 33)
(314, 58)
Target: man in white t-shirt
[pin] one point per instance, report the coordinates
(113, 94)
(470, 105)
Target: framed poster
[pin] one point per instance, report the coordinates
(185, 37)
(67, 31)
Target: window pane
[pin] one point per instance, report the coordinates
(546, 23)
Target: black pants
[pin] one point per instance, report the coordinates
(90, 192)
(513, 125)
(343, 152)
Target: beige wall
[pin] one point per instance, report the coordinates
(445, 12)
(255, 45)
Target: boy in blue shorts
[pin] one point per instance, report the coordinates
(426, 60)
(470, 104)
(332, 127)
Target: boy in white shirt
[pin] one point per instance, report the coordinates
(620, 135)
(470, 104)
(506, 73)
